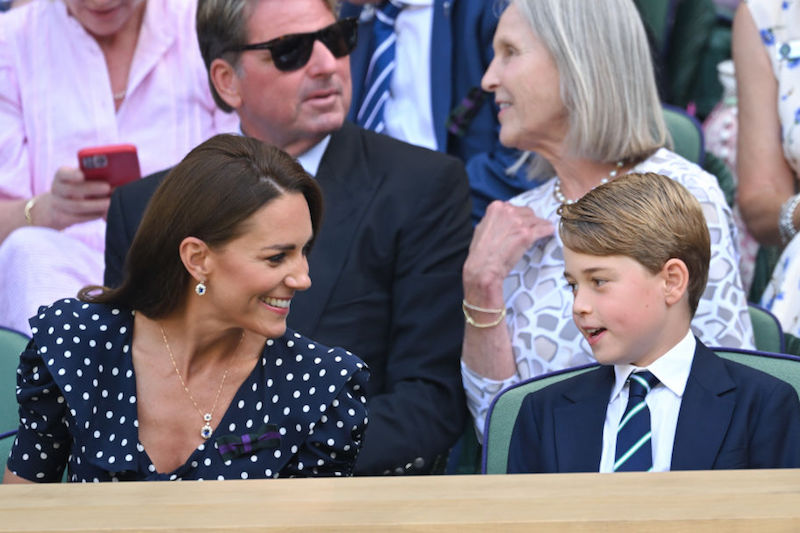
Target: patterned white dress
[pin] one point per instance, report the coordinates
(539, 305)
(778, 22)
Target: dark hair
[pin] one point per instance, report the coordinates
(647, 217)
(222, 24)
(208, 195)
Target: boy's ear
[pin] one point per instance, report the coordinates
(676, 280)
(226, 82)
(196, 258)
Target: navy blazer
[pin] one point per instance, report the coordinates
(731, 417)
(386, 272)
(461, 50)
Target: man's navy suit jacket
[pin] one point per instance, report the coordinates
(731, 417)
(461, 50)
(386, 285)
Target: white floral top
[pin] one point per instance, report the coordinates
(539, 305)
(778, 22)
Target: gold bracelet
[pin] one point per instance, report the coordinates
(28, 209)
(465, 303)
(471, 321)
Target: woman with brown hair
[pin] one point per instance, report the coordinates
(187, 370)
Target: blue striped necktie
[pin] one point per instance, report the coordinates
(634, 452)
(381, 66)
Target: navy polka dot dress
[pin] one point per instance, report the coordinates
(301, 412)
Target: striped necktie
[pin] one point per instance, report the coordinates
(634, 452)
(381, 66)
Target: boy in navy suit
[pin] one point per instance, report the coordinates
(636, 254)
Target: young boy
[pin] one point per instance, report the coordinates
(636, 253)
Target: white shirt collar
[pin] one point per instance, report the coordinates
(311, 158)
(672, 369)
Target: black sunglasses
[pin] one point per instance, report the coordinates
(291, 52)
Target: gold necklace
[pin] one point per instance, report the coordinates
(206, 430)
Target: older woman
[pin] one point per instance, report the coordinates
(766, 50)
(574, 83)
(187, 370)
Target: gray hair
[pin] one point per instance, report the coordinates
(222, 24)
(606, 73)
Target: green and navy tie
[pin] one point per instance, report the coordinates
(634, 451)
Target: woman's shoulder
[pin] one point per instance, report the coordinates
(308, 351)
(704, 186)
(72, 321)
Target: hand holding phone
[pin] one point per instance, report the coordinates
(117, 164)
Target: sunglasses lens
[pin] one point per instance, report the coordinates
(292, 52)
(340, 38)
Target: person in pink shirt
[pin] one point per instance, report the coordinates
(76, 74)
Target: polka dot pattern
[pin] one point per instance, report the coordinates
(78, 406)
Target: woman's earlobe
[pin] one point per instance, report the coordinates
(196, 258)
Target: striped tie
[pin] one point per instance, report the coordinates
(634, 452)
(381, 66)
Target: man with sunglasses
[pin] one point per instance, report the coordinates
(386, 266)
(441, 50)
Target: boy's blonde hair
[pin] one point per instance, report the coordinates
(647, 217)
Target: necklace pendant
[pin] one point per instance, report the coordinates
(206, 431)
(207, 417)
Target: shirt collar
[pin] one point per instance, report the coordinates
(672, 369)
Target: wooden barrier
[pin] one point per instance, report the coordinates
(758, 500)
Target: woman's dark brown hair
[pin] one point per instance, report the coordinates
(208, 195)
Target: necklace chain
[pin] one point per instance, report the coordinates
(563, 200)
(206, 430)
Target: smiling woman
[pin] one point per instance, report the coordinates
(195, 340)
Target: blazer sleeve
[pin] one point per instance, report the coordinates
(776, 437)
(422, 410)
(125, 212)
(118, 240)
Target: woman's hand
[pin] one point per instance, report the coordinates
(72, 199)
(500, 239)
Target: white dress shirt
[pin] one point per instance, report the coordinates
(408, 114)
(664, 401)
(311, 158)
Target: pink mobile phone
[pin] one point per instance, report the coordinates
(117, 164)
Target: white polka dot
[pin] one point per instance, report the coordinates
(278, 361)
(343, 372)
(232, 427)
(306, 408)
(296, 394)
(332, 388)
(129, 457)
(331, 442)
(311, 346)
(270, 342)
(286, 410)
(289, 376)
(253, 458)
(67, 387)
(207, 462)
(277, 454)
(298, 358)
(240, 404)
(289, 343)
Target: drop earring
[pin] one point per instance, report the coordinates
(200, 288)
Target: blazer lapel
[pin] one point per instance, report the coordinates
(348, 189)
(579, 424)
(705, 413)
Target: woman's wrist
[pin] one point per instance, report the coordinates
(787, 220)
(28, 210)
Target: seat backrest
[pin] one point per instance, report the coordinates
(686, 133)
(767, 330)
(782, 366)
(502, 415)
(12, 343)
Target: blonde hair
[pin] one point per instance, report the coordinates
(647, 217)
(606, 73)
